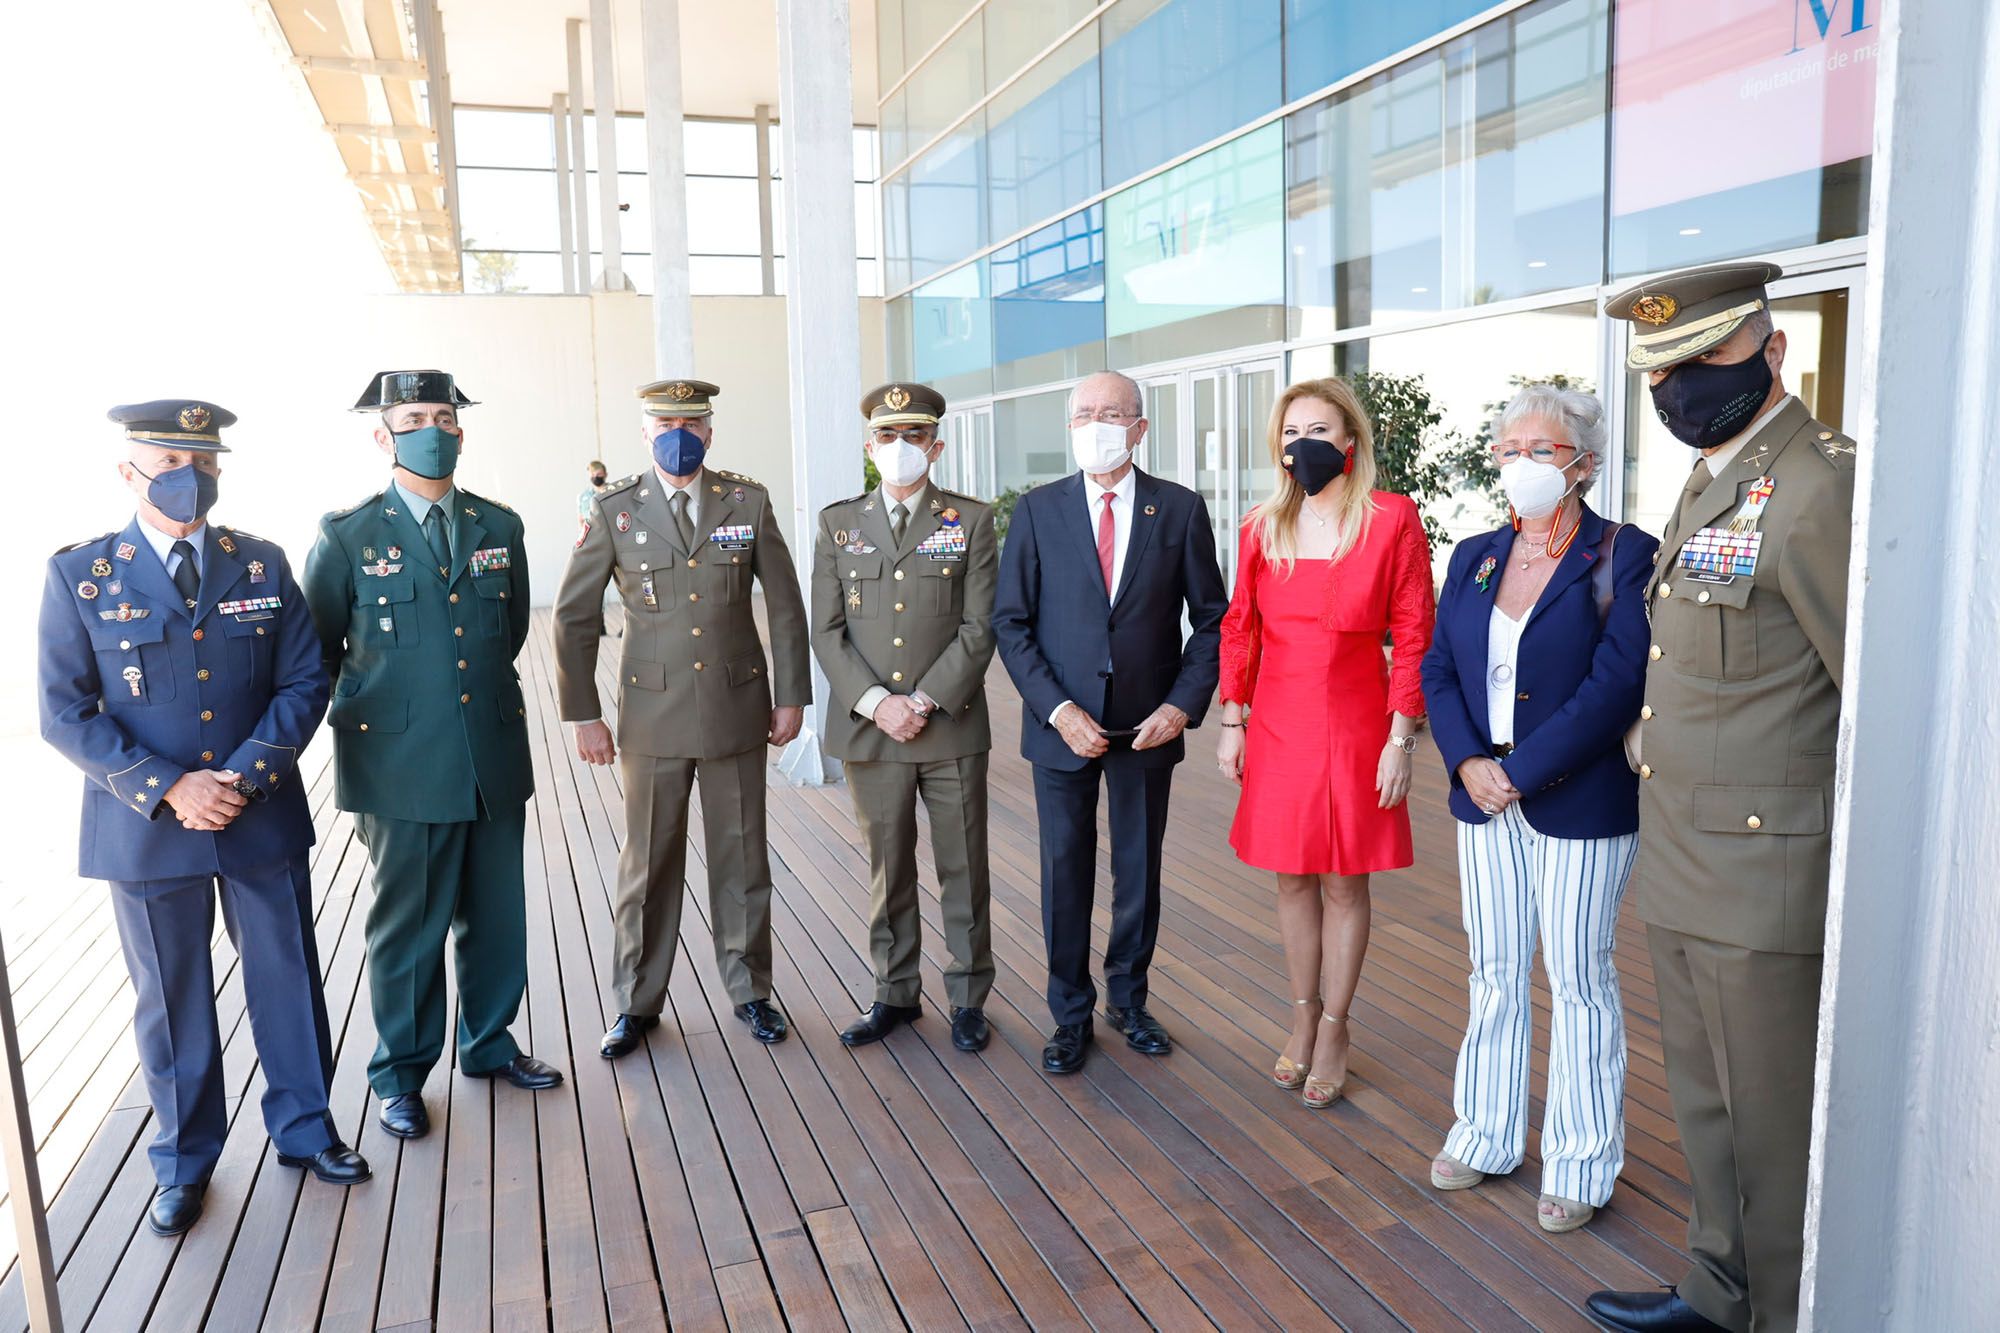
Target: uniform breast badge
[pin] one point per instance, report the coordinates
(368, 553)
(1717, 555)
(624, 521)
(101, 567)
(854, 596)
(395, 552)
(227, 543)
(948, 517)
(646, 593)
(1754, 501)
(641, 538)
(257, 571)
(381, 569)
(86, 590)
(733, 536)
(132, 677)
(126, 551)
(386, 623)
(944, 544)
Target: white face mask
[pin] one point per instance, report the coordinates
(1534, 489)
(900, 463)
(1100, 446)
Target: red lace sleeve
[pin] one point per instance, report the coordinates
(1412, 613)
(1242, 636)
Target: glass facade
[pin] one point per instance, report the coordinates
(1193, 191)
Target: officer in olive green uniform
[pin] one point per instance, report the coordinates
(902, 602)
(1748, 603)
(695, 701)
(420, 597)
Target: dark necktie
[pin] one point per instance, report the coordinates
(1697, 482)
(899, 522)
(186, 577)
(439, 539)
(682, 524)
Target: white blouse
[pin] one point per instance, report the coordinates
(1503, 650)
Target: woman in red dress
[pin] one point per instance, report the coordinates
(1327, 564)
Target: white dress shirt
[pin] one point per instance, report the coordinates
(668, 489)
(1726, 455)
(163, 546)
(1503, 665)
(1121, 532)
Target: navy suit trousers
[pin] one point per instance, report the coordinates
(164, 927)
(1066, 807)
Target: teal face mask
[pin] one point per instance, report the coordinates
(430, 452)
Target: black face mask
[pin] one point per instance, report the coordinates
(1314, 463)
(1705, 405)
(596, 480)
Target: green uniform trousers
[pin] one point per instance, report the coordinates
(885, 806)
(652, 876)
(430, 879)
(1739, 1029)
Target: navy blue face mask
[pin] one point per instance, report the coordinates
(184, 494)
(429, 451)
(679, 451)
(1704, 405)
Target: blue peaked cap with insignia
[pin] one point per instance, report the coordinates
(392, 388)
(188, 423)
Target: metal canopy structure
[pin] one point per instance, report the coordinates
(374, 72)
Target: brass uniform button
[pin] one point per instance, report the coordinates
(899, 576)
(461, 664)
(1646, 712)
(895, 675)
(207, 756)
(364, 726)
(207, 715)
(692, 562)
(899, 606)
(1754, 822)
(697, 666)
(1826, 435)
(124, 643)
(454, 599)
(643, 566)
(854, 573)
(260, 629)
(634, 680)
(1646, 771)
(201, 674)
(697, 631)
(735, 559)
(381, 601)
(1666, 590)
(1654, 652)
(694, 597)
(1702, 596)
(1522, 695)
(899, 643)
(945, 572)
(465, 698)
(459, 630)
(197, 636)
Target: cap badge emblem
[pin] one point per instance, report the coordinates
(194, 417)
(1655, 309)
(680, 393)
(897, 398)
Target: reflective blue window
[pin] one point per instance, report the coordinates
(951, 330)
(1179, 73)
(946, 193)
(1045, 139)
(1195, 256)
(1327, 40)
(1048, 302)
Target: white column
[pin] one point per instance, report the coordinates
(604, 106)
(565, 213)
(666, 185)
(579, 181)
(822, 319)
(1900, 1221)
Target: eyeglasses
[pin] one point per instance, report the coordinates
(1542, 451)
(917, 435)
(1114, 416)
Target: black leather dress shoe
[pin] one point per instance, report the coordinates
(766, 1020)
(1143, 1032)
(405, 1117)
(338, 1165)
(1066, 1049)
(627, 1035)
(523, 1071)
(175, 1207)
(969, 1028)
(1646, 1312)
(880, 1020)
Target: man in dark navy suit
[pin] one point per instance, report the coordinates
(1095, 575)
(179, 670)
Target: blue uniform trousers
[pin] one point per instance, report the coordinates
(164, 926)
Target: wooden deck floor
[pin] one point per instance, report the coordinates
(710, 1180)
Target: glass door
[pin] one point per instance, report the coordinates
(1207, 431)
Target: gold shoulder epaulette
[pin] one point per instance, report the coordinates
(1835, 448)
(738, 476)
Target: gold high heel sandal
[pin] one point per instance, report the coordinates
(1321, 1093)
(1289, 1074)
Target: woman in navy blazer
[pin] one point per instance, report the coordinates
(1536, 672)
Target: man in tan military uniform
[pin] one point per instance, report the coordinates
(902, 605)
(695, 701)
(1749, 603)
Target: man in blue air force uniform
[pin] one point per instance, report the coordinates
(179, 671)
(420, 594)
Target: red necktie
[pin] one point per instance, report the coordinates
(1107, 541)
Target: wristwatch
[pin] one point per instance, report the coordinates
(1407, 744)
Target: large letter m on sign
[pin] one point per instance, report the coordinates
(1823, 16)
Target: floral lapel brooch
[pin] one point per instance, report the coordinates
(1484, 578)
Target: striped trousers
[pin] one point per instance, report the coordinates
(1512, 879)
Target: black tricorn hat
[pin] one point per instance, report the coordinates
(391, 388)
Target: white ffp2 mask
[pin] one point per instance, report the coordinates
(1534, 489)
(900, 463)
(1100, 446)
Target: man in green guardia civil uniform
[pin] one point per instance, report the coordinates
(1749, 623)
(697, 701)
(902, 603)
(420, 597)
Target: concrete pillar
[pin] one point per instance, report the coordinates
(666, 185)
(1901, 1217)
(822, 320)
(565, 212)
(579, 182)
(604, 106)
